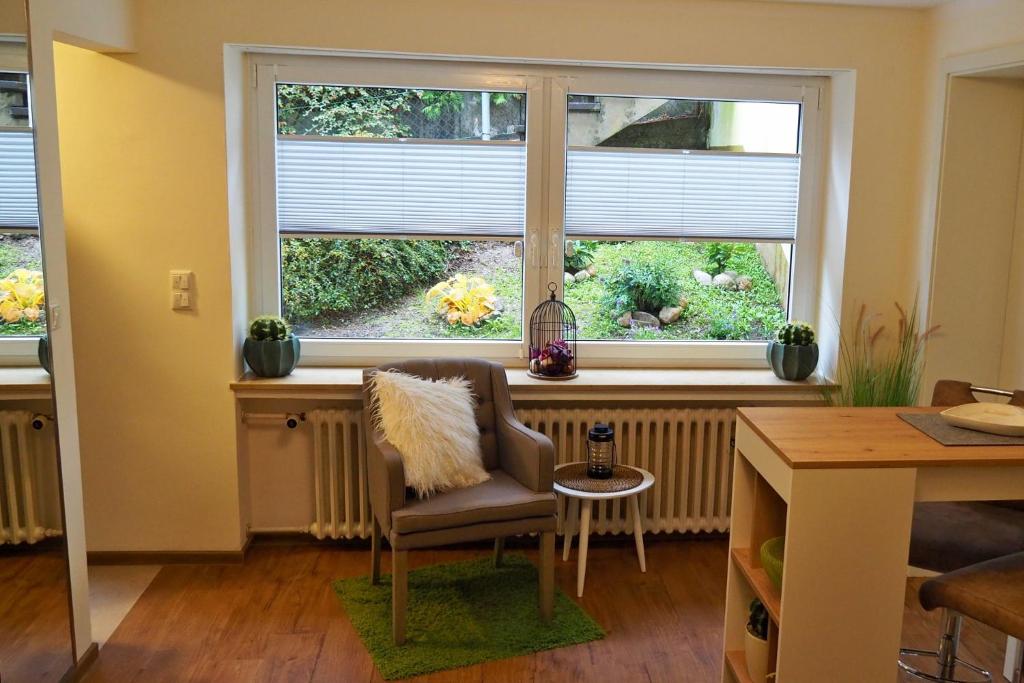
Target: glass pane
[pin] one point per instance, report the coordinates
(358, 111)
(662, 123)
(674, 291)
(21, 286)
(14, 99)
(402, 289)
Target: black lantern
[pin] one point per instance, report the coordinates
(553, 339)
(601, 455)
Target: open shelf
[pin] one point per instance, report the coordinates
(736, 662)
(759, 582)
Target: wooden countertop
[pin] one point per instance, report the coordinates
(863, 437)
(592, 384)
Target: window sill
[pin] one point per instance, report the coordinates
(22, 384)
(598, 384)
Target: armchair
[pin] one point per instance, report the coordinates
(518, 499)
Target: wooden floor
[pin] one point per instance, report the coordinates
(35, 628)
(276, 619)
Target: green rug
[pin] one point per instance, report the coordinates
(460, 614)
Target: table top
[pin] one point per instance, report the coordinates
(647, 483)
(864, 437)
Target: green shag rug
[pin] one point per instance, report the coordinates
(462, 613)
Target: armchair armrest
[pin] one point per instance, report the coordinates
(527, 455)
(385, 475)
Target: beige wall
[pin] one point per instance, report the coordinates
(143, 142)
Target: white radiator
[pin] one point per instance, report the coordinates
(687, 449)
(28, 481)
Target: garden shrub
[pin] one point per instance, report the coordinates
(582, 256)
(328, 276)
(646, 283)
(718, 255)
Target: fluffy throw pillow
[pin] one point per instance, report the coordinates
(433, 426)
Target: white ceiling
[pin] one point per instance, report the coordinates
(871, 3)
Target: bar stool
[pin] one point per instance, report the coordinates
(990, 592)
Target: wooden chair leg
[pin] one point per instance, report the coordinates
(375, 553)
(499, 550)
(399, 593)
(547, 575)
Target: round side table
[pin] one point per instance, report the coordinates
(573, 498)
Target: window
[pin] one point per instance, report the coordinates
(404, 206)
(21, 279)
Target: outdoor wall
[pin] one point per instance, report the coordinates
(145, 175)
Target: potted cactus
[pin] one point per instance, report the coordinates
(755, 642)
(271, 350)
(793, 354)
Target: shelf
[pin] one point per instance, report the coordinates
(736, 662)
(759, 582)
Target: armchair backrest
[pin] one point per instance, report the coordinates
(488, 380)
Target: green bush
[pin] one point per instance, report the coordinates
(327, 276)
(718, 255)
(646, 283)
(582, 256)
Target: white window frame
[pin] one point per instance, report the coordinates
(18, 350)
(547, 84)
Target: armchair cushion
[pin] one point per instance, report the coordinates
(431, 423)
(499, 500)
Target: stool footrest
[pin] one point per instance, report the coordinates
(982, 675)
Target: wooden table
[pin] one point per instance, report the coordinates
(840, 484)
(573, 498)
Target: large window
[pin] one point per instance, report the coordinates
(21, 278)
(422, 204)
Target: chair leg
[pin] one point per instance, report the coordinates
(399, 593)
(375, 553)
(547, 575)
(950, 643)
(499, 550)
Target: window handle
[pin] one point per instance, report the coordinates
(555, 255)
(533, 252)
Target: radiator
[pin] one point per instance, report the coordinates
(687, 449)
(28, 481)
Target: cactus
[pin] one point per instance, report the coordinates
(269, 328)
(796, 334)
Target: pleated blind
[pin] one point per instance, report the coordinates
(18, 202)
(632, 193)
(394, 187)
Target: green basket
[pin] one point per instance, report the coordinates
(772, 552)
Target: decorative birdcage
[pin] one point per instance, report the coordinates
(553, 339)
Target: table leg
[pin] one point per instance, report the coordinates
(568, 527)
(581, 567)
(638, 530)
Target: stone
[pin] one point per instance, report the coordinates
(724, 281)
(592, 269)
(732, 273)
(669, 314)
(582, 275)
(744, 283)
(625, 320)
(569, 279)
(642, 319)
(702, 277)
(683, 302)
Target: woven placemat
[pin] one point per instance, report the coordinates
(575, 477)
(934, 426)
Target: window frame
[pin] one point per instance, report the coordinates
(547, 85)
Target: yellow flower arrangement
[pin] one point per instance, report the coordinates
(461, 299)
(21, 296)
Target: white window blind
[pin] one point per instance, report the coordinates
(400, 187)
(636, 193)
(18, 202)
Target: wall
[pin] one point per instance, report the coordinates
(145, 171)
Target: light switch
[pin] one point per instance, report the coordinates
(181, 279)
(181, 300)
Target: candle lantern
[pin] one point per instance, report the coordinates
(601, 455)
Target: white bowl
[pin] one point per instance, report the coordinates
(994, 418)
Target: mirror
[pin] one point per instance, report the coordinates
(35, 608)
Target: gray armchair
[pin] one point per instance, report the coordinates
(518, 499)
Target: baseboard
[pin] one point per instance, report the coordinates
(78, 670)
(123, 557)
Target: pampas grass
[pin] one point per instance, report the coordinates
(870, 375)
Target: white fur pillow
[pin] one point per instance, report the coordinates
(433, 426)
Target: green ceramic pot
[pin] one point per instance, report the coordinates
(271, 358)
(43, 351)
(791, 362)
